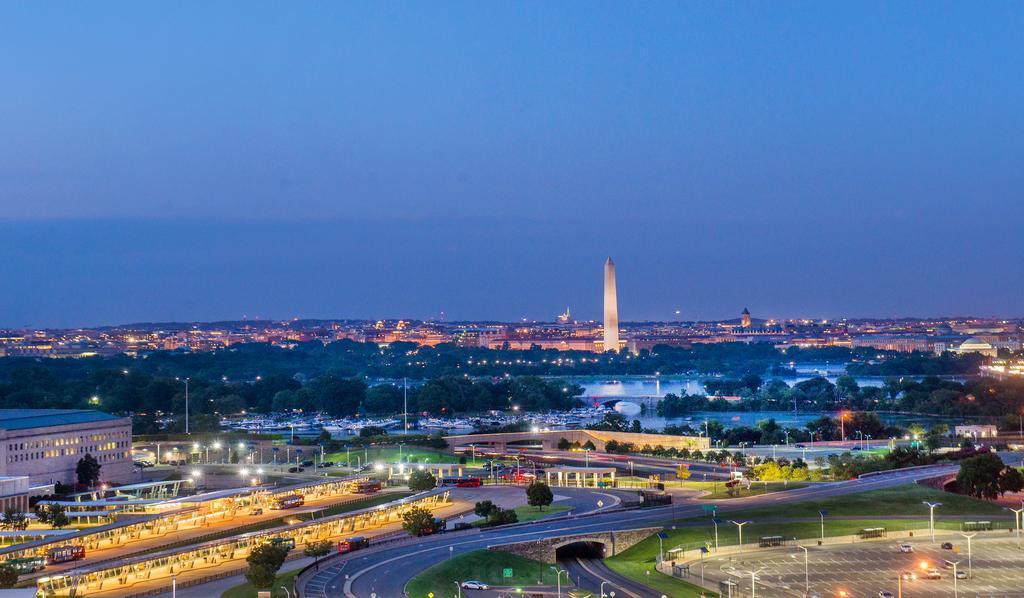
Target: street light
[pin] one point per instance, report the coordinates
(558, 579)
(807, 575)
(739, 526)
(955, 589)
(1016, 523)
(931, 517)
(970, 570)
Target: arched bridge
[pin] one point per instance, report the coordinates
(546, 550)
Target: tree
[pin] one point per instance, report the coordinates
(538, 494)
(264, 562)
(13, 519)
(589, 445)
(52, 514)
(484, 508)
(563, 444)
(317, 550)
(417, 520)
(261, 576)
(503, 517)
(1011, 481)
(88, 470)
(370, 431)
(421, 480)
(8, 576)
(611, 446)
(683, 471)
(979, 476)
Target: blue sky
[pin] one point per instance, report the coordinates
(208, 160)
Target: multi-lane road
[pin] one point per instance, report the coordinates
(384, 571)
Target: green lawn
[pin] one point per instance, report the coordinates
(717, 490)
(527, 513)
(390, 454)
(247, 591)
(483, 565)
(898, 500)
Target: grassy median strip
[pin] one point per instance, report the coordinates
(487, 566)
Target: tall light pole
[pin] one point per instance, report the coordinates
(822, 514)
(558, 579)
(459, 585)
(931, 517)
(405, 403)
(955, 589)
(970, 571)
(739, 526)
(1016, 523)
(715, 521)
(807, 571)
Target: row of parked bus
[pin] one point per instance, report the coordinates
(53, 556)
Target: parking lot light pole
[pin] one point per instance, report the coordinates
(459, 585)
(931, 517)
(1016, 523)
(558, 579)
(970, 570)
(807, 574)
(739, 526)
(956, 593)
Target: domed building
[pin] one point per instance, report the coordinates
(976, 345)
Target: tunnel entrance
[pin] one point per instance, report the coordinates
(583, 550)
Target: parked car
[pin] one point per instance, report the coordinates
(933, 573)
(906, 548)
(296, 469)
(908, 576)
(961, 574)
(256, 511)
(947, 546)
(472, 584)
(884, 594)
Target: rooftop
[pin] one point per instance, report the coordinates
(22, 419)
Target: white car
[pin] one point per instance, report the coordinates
(906, 548)
(472, 584)
(961, 574)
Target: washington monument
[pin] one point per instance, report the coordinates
(611, 308)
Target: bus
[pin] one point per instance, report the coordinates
(354, 543)
(289, 501)
(27, 565)
(462, 482)
(977, 526)
(872, 532)
(364, 486)
(288, 543)
(770, 541)
(65, 554)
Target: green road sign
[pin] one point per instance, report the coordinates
(506, 572)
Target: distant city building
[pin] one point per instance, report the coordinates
(977, 345)
(745, 318)
(46, 444)
(611, 308)
(976, 431)
(564, 317)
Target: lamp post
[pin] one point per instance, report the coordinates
(558, 579)
(822, 515)
(739, 527)
(187, 433)
(970, 570)
(955, 588)
(612, 593)
(715, 521)
(931, 517)
(459, 585)
(1016, 523)
(807, 571)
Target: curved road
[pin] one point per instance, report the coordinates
(386, 570)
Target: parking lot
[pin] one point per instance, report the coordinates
(863, 569)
